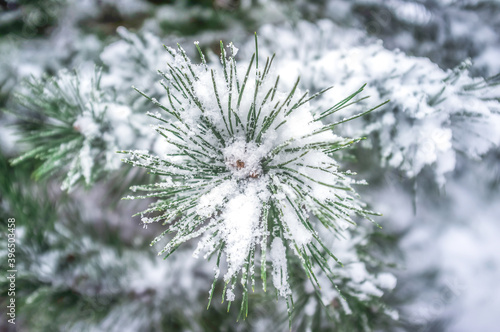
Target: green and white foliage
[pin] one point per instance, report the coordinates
(78, 271)
(358, 305)
(433, 115)
(98, 285)
(96, 282)
(249, 169)
(29, 18)
(133, 59)
(73, 124)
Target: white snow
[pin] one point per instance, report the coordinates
(280, 270)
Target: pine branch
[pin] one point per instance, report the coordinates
(69, 127)
(241, 176)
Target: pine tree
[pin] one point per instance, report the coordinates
(230, 147)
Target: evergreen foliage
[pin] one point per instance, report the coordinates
(254, 165)
(249, 168)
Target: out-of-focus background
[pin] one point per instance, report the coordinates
(431, 160)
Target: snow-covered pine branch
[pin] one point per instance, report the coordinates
(433, 114)
(73, 124)
(249, 169)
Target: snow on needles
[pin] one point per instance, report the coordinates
(81, 129)
(248, 167)
(433, 114)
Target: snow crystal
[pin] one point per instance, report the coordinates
(86, 162)
(116, 112)
(392, 313)
(86, 125)
(280, 272)
(386, 281)
(345, 306)
(296, 230)
(211, 201)
(368, 288)
(357, 272)
(230, 295)
(234, 49)
(241, 219)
